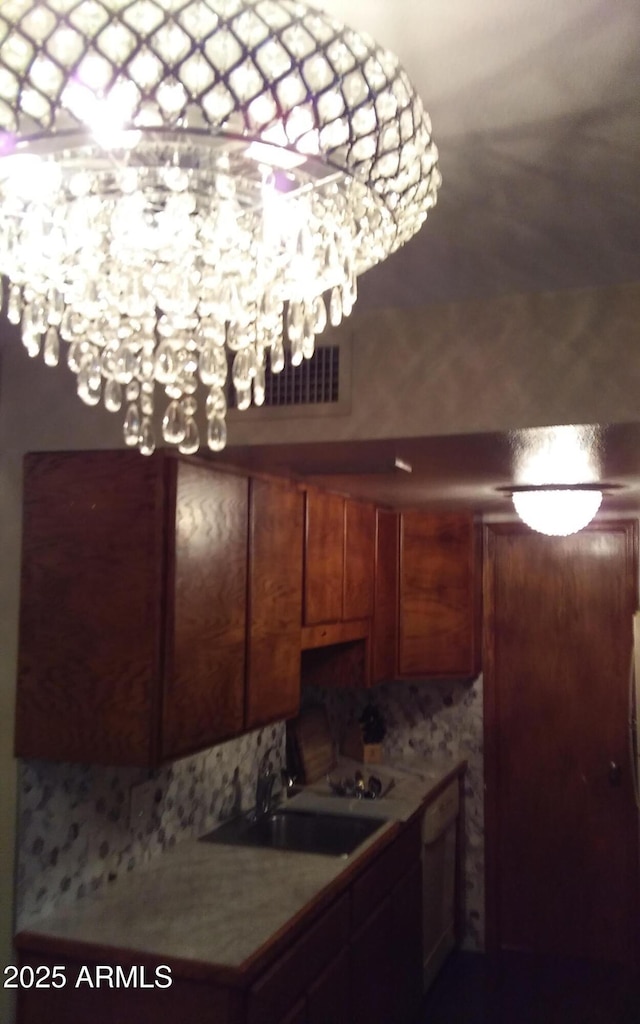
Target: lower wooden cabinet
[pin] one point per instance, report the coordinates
(385, 957)
(295, 971)
(371, 968)
(364, 954)
(298, 1015)
(328, 998)
(406, 932)
(88, 998)
(358, 962)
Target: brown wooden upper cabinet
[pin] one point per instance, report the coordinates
(203, 634)
(359, 559)
(323, 557)
(135, 628)
(384, 633)
(439, 595)
(339, 558)
(275, 602)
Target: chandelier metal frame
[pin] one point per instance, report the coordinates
(187, 185)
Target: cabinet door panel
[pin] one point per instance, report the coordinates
(359, 560)
(298, 1015)
(328, 998)
(372, 972)
(385, 617)
(438, 595)
(204, 679)
(290, 977)
(92, 564)
(379, 878)
(324, 557)
(275, 602)
(406, 900)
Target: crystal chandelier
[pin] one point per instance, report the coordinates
(556, 510)
(189, 188)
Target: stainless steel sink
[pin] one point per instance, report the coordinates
(336, 835)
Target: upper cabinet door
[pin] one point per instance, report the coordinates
(384, 634)
(339, 558)
(203, 697)
(275, 602)
(135, 625)
(324, 557)
(91, 607)
(439, 595)
(359, 560)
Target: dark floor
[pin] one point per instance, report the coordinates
(516, 989)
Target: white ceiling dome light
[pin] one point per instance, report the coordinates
(557, 469)
(189, 189)
(556, 510)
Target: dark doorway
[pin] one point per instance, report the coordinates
(516, 988)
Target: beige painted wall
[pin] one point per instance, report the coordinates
(28, 421)
(570, 357)
(9, 562)
(518, 361)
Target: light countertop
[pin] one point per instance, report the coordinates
(220, 907)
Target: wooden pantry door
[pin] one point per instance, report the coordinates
(562, 826)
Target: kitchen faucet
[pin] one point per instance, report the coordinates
(264, 783)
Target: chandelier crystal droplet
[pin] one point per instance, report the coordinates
(190, 189)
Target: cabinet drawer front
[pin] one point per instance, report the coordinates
(279, 988)
(374, 884)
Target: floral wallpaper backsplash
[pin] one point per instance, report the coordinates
(430, 721)
(81, 826)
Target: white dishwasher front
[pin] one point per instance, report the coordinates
(439, 829)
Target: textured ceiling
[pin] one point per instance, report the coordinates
(536, 113)
(472, 471)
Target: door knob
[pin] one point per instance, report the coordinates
(615, 774)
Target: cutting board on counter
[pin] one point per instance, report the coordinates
(313, 748)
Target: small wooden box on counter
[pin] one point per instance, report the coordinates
(354, 746)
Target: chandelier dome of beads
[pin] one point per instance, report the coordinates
(189, 190)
